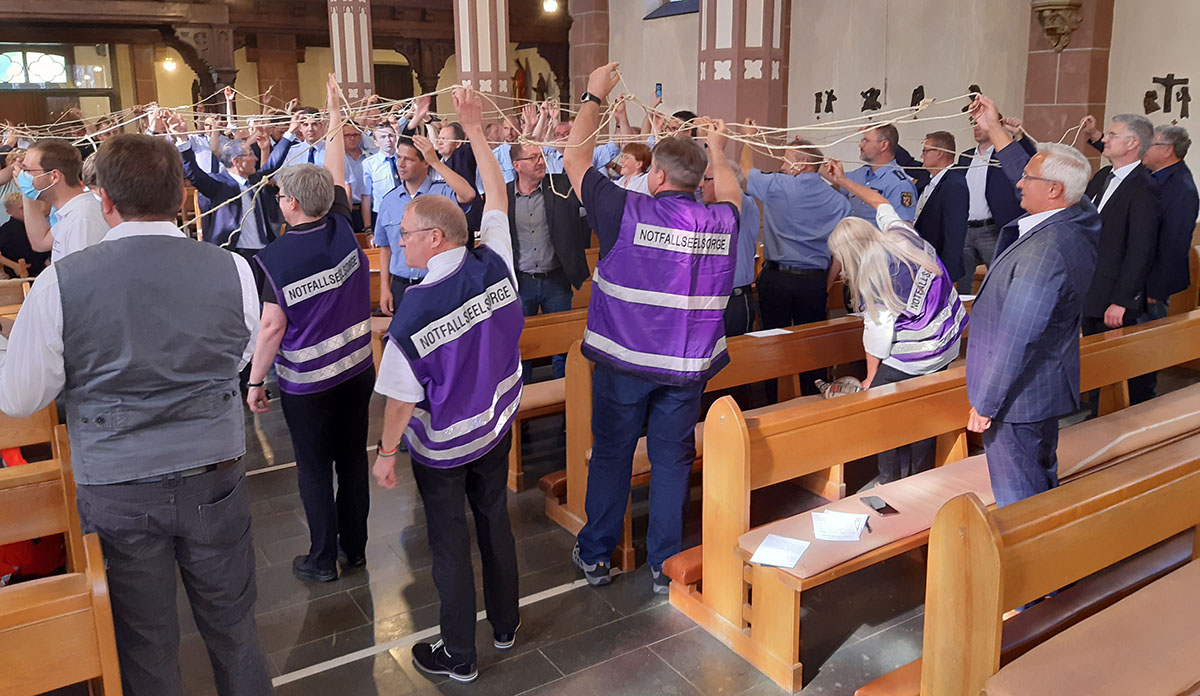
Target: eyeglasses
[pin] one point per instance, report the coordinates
(1113, 136)
(405, 234)
(1161, 145)
(281, 196)
(1030, 177)
(538, 156)
(708, 178)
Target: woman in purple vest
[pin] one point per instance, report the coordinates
(316, 328)
(913, 321)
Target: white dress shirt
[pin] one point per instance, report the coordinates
(924, 198)
(1028, 222)
(1117, 177)
(396, 378)
(31, 359)
(80, 225)
(977, 184)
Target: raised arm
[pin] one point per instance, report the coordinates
(335, 144)
(836, 174)
(578, 157)
(725, 184)
(746, 158)
(469, 108)
(464, 191)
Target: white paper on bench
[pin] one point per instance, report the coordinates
(779, 551)
(838, 526)
(769, 332)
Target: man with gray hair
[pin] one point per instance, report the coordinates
(1127, 199)
(1023, 366)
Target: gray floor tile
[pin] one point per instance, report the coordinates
(707, 664)
(303, 623)
(616, 638)
(639, 673)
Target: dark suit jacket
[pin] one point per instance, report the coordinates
(943, 220)
(1171, 270)
(1001, 194)
(221, 187)
(1127, 242)
(1023, 362)
(912, 167)
(569, 230)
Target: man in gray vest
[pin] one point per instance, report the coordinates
(147, 365)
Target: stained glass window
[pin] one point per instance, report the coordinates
(33, 68)
(12, 67)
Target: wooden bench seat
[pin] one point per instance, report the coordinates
(55, 631)
(757, 452)
(984, 562)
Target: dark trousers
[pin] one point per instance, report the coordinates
(546, 293)
(786, 300)
(909, 459)
(484, 484)
(621, 405)
(200, 525)
(329, 434)
(1095, 325)
(739, 313)
(979, 246)
(1022, 459)
(399, 285)
(1144, 387)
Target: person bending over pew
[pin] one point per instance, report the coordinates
(147, 365)
(317, 309)
(451, 371)
(1023, 365)
(913, 321)
(655, 326)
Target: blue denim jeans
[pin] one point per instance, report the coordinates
(621, 405)
(547, 295)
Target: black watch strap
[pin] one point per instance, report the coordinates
(589, 97)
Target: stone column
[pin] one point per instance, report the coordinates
(278, 61)
(350, 39)
(589, 44)
(744, 60)
(1063, 86)
(481, 47)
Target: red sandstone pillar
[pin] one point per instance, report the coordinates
(350, 39)
(481, 45)
(744, 60)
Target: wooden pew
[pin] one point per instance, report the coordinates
(584, 294)
(1189, 299)
(752, 359)
(983, 562)
(54, 631)
(544, 335)
(760, 451)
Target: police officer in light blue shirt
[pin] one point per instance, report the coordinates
(881, 174)
(739, 313)
(416, 179)
(800, 211)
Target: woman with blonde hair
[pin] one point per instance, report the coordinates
(913, 320)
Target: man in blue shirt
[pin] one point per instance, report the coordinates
(381, 174)
(413, 167)
(881, 174)
(800, 211)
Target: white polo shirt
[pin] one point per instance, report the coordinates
(80, 224)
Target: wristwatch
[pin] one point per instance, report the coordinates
(589, 97)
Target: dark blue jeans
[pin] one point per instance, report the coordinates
(621, 405)
(545, 293)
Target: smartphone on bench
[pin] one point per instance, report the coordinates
(878, 505)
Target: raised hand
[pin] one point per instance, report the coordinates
(1089, 127)
(717, 134)
(229, 94)
(468, 106)
(603, 79)
(425, 145)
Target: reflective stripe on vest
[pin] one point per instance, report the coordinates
(331, 370)
(328, 345)
(657, 299)
(653, 360)
(467, 425)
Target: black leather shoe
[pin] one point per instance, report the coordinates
(432, 658)
(351, 562)
(305, 570)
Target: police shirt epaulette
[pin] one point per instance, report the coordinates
(901, 175)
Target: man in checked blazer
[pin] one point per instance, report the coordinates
(1023, 363)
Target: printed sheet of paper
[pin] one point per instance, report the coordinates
(779, 551)
(768, 332)
(838, 526)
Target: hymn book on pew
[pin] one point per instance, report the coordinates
(838, 526)
(779, 551)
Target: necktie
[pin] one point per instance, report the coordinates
(395, 173)
(312, 155)
(1107, 182)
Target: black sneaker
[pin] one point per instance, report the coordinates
(504, 641)
(596, 573)
(432, 658)
(662, 583)
(305, 570)
(348, 562)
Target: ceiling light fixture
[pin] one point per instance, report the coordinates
(550, 5)
(169, 64)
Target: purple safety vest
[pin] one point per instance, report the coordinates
(932, 323)
(322, 283)
(658, 297)
(461, 336)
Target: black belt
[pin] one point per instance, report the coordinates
(187, 473)
(406, 281)
(794, 270)
(738, 292)
(541, 276)
(981, 223)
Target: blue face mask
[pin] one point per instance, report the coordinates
(25, 184)
(52, 218)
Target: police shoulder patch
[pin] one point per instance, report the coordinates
(906, 199)
(900, 175)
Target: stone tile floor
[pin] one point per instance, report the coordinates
(351, 637)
